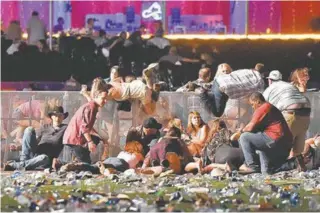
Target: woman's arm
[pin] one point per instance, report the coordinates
(146, 162)
(204, 131)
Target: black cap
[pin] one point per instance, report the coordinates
(151, 123)
(58, 110)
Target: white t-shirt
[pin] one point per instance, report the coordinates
(130, 158)
(37, 30)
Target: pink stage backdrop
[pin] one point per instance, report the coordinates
(263, 15)
(280, 16)
(21, 10)
(187, 8)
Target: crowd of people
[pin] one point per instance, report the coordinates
(270, 140)
(89, 54)
(274, 115)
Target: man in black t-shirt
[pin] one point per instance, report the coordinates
(39, 149)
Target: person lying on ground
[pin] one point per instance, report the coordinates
(130, 158)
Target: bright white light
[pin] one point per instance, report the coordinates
(153, 11)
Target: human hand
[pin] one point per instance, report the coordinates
(235, 136)
(92, 147)
(83, 89)
(15, 147)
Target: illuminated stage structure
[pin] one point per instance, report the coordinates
(178, 17)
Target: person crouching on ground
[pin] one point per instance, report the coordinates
(268, 133)
(80, 138)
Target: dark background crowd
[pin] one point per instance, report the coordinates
(83, 59)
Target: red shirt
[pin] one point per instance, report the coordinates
(81, 122)
(268, 119)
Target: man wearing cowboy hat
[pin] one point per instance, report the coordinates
(39, 149)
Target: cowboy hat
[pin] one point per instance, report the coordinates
(58, 111)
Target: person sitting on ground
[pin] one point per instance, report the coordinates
(176, 122)
(198, 131)
(80, 138)
(311, 156)
(268, 133)
(219, 153)
(39, 150)
(237, 84)
(295, 107)
(202, 81)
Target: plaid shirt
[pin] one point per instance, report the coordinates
(240, 83)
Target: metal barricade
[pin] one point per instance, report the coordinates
(113, 124)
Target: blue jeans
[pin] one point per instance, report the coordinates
(272, 154)
(29, 158)
(216, 100)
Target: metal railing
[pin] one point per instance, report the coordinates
(111, 123)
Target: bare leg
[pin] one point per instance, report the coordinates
(155, 170)
(192, 166)
(212, 166)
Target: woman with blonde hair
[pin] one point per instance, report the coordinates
(219, 153)
(300, 78)
(198, 131)
(217, 125)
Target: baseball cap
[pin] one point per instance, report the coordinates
(275, 75)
